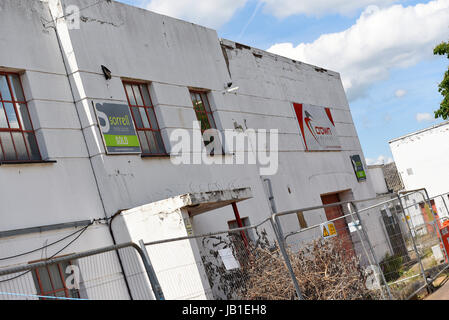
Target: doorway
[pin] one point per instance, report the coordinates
(342, 227)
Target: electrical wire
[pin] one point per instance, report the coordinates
(46, 246)
(81, 9)
(76, 238)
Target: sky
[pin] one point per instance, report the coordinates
(383, 50)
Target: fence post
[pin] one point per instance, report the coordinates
(365, 234)
(285, 255)
(413, 241)
(445, 205)
(150, 271)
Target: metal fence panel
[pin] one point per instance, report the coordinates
(388, 247)
(230, 264)
(96, 276)
(332, 258)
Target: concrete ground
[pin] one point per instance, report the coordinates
(441, 294)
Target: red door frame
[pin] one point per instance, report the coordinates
(239, 223)
(342, 227)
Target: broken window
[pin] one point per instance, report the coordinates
(204, 115)
(202, 109)
(144, 117)
(17, 138)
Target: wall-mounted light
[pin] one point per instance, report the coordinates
(106, 72)
(230, 90)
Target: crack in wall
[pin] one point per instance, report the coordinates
(88, 19)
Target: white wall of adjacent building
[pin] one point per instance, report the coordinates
(422, 161)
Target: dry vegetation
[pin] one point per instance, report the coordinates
(323, 269)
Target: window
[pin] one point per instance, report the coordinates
(144, 117)
(204, 115)
(51, 281)
(245, 222)
(202, 109)
(17, 139)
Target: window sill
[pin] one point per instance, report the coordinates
(26, 162)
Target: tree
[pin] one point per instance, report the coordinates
(443, 49)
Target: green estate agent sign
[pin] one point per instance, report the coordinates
(117, 127)
(358, 168)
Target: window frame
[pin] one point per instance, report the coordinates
(14, 101)
(148, 118)
(203, 93)
(54, 291)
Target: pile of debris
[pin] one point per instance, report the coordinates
(324, 270)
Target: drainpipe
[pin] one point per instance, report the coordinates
(273, 205)
(270, 195)
(90, 159)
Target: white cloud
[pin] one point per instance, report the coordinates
(380, 40)
(424, 117)
(285, 8)
(215, 13)
(400, 93)
(210, 13)
(380, 160)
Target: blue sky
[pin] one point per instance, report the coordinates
(381, 48)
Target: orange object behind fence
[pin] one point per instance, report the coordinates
(445, 236)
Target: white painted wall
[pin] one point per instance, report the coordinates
(173, 56)
(43, 194)
(376, 175)
(177, 264)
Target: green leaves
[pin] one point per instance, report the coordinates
(443, 87)
(442, 49)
